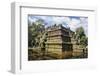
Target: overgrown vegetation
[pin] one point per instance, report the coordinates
(36, 34)
(81, 37)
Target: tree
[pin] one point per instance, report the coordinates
(83, 41)
(79, 32)
(81, 37)
(35, 31)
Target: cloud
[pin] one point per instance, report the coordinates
(31, 19)
(74, 23)
(68, 21)
(84, 23)
(61, 20)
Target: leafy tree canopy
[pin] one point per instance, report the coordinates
(81, 37)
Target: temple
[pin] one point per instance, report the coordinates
(61, 43)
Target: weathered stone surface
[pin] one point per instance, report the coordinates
(59, 42)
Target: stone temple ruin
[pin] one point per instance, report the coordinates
(61, 43)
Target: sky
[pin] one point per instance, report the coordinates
(67, 21)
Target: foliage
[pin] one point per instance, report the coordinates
(35, 32)
(81, 37)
